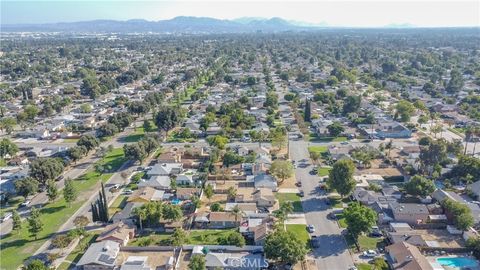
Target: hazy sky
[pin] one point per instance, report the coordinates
(358, 13)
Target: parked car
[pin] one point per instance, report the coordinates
(7, 216)
(301, 193)
(127, 191)
(25, 203)
(332, 216)
(311, 228)
(370, 253)
(298, 184)
(315, 242)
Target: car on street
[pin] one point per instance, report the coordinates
(298, 184)
(315, 242)
(311, 228)
(25, 203)
(127, 191)
(344, 143)
(301, 193)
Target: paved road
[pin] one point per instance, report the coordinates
(73, 173)
(333, 253)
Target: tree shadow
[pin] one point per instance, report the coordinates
(51, 210)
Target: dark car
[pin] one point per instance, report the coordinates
(315, 242)
(301, 194)
(298, 184)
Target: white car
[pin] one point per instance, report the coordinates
(25, 203)
(311, 228)
(7, 216)
(370, 253)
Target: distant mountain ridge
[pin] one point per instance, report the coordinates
(181, 24)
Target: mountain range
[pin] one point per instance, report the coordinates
(180, 24)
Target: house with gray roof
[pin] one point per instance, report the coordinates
(164, 169)
(100, 256)
(263, 180)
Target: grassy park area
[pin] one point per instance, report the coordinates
(19, 245)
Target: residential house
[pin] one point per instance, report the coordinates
(411, 213)
(223, 220)
(385, 129)
(145, 194)
(264, 197)
(170, 157)
(161, 182)
(263, 180)
(165, 169)
(404, 256)
(100, 256)
(187, 193)
(120, 232)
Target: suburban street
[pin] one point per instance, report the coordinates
(333, 253)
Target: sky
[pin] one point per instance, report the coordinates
(352, 13)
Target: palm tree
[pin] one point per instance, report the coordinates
(389, 146)
(468, 136)
(232, 193)
(236, 211)
(286, 208)
(141, 214)
(476, 132)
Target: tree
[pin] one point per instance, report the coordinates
(404, 109)
(236, 212)
(216, 207)
(285, 209)
(197, 262)
(77, 152)
(26, 187)
(43, 169)
(218, 141)
(233, 239)
(335, 129)
(31, 111)
(473, 243)
(460, 213)
(231, 158)
(16, 221)
(69, 192)
(281, 169)
(81, 222)
(231, 193)
(35, 265)
(208, 191)
(315, 156)
(141, 214)
(89, 142)
(7, 147)
(61, 241)
(433, 154)
(52, 190)
(351, 104)
(35, 225)
(107, 130)
(172, 212)
(340, 177)
(284, 246)
(179, 237)
(308, 111)
(8, 124)
(419, 186)
(121, 120)
(456, 81)
(359, 219)
(167, 118)
(134, 152)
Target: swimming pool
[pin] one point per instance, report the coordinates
(458, 262)
(176, 201)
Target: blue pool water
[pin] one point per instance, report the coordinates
(457, 262)
(176, 201)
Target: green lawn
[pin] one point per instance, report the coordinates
(117, 205)
(319, 148)
(337, 201)
(13, 204)
(365, 242)
(150, 240)
(136, 136)
(300, 231)
(364, 266)
(207, 237)
(323, 171)
(293, 197)
(341, 221)
(70, 140)
(18, 246)
(328, 139)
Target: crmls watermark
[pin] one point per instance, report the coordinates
(247, 263)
